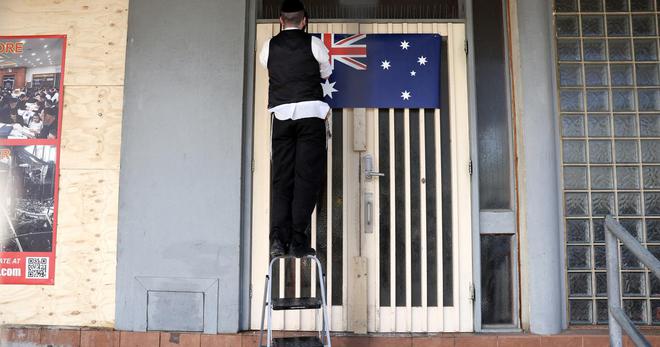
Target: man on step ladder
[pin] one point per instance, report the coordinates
(297, 63)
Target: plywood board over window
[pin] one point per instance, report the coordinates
(84, 290)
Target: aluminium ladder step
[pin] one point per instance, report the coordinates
(271, 305)
(297, 304)
(299, 341)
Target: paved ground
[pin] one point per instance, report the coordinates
(83, 337)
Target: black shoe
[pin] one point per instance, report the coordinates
(301, 251)
(277, 249)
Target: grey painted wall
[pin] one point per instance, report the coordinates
(539, 168)
(180, 185)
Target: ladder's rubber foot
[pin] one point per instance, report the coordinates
(297, 304)
(301, 341)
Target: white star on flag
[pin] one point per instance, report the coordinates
(422, 60)
(405, 44)
(405, 95)
(413, 73)
(328, 88)
(386, 65)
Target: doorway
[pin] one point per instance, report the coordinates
(396, 248)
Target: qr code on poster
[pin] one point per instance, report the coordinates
(36, 267)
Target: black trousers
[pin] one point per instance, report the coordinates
(298, 167)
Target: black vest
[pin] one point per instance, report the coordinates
(292, 69)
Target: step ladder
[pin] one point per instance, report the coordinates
(294, 304)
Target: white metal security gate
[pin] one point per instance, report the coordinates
(396, 248)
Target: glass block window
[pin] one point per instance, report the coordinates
(608, 75)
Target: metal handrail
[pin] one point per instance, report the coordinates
(617, 318)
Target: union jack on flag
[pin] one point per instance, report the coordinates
(383, 70)
(346, 50)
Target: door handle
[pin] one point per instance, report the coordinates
(372, 174)
(369, 172)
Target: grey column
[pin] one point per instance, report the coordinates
(539, 168)
(180, 185)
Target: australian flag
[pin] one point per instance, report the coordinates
(383, 70)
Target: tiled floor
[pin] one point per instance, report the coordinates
(64, 337)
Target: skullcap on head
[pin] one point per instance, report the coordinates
(292, 6)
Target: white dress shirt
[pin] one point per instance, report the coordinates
(304, 109)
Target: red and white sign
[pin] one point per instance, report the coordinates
(31, 94)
